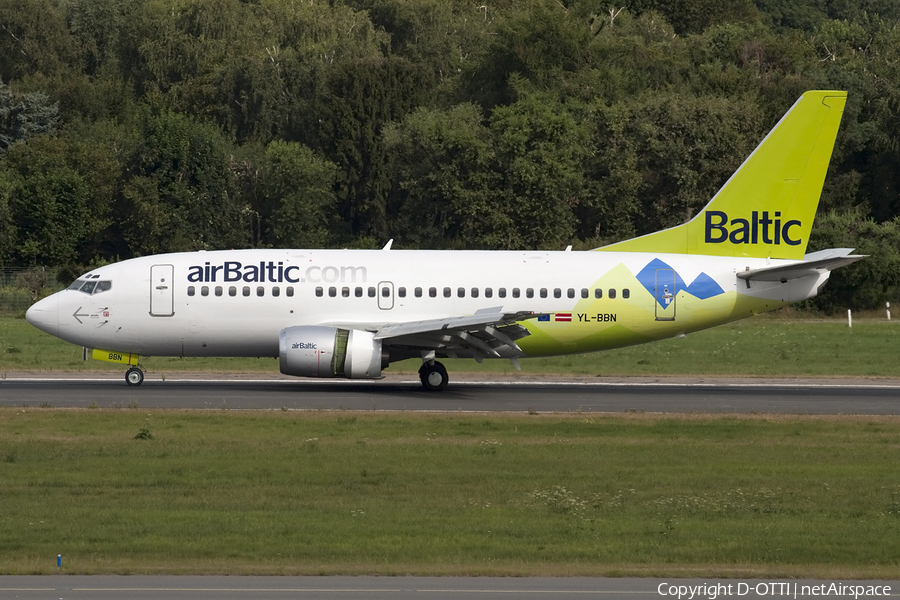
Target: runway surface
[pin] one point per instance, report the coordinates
(406, 394)
(416, 588)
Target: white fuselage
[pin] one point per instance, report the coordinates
(235, 303)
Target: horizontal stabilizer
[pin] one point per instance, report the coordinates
(815, 263)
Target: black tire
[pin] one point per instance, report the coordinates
(433, 377)
(134, 376)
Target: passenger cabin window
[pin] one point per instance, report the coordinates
(218, 290)
(332, 292)
(515, 292)
(319, 291)
(372, 293)
(232, 291)
(289, 291)
(598, 293)
(446, 292)
(461, 292)
(488, 292)
(345, 292)
(385, 292)
(570, 293)
(418, 292)
(529, 293)
(245, 291)
(584, 292)
(432, 292)
(401, 292)
(612, 294)
(626, 293)
(358, 292)
(557, 293)
(190, 290)
(276, 291)
(204, 290)
(260, 291)
(501, 292)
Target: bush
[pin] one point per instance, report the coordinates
(869, 283)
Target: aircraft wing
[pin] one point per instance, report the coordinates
(812, 264)
(489, 332)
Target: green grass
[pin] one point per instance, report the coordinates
(762, 346)
(134, 491)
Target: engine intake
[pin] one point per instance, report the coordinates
(309, 351)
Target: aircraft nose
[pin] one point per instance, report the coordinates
(44, 314)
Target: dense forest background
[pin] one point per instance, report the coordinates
(131, 127)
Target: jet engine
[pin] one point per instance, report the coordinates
(330, 352)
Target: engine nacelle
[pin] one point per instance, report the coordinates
(330, 352)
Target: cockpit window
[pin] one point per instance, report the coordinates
(91, 287)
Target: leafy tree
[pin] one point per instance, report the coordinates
(51, 202)
(180, 194)
(34, 39)
(298, 200)
(611, 208)
(445, 181)
(694, 16)
(95, 26)
(684, 148)
(25, 115)
(540, 152)
(869, 283)
(8, 228)
(446, 38)
(542, 43)
(354, 102)
(793, 14)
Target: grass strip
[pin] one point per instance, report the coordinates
(285, 492)
(766, 346)
(753, 347)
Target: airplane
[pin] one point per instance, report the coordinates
(350, 313)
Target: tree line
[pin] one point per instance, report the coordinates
(131, 127)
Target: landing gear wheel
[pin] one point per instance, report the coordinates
(134, 376)
(433, 377)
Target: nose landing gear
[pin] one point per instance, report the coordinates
(134, 376)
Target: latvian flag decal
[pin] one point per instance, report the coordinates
(567, 317)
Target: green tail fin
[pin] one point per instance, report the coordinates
(767, 207)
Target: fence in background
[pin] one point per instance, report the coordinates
(15, 295)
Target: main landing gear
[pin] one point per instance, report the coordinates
(433, 376)
(134, 376)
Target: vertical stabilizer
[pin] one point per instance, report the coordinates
(766, 209)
